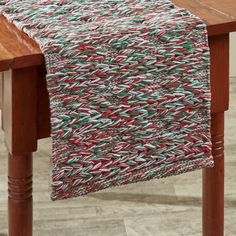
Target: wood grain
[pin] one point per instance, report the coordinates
(17, 50)
(219, 48)
(219, 16)
(20, 110)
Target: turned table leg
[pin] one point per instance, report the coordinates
(213, 182)
(20, 128)
(20, 194)
(213, 178)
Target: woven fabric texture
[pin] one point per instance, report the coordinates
(129, 89)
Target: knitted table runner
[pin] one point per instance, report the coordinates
(129, 91)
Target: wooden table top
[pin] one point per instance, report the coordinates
(18, 50)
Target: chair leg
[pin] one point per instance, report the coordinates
(213, 182)
(20, 195)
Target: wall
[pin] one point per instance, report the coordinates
(233, 54)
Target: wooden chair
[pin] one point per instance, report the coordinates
(25, 112)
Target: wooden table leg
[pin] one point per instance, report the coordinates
(20, 194)
(213, 178)
(20, 127)
(213, 182)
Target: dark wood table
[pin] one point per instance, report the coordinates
(25, 112)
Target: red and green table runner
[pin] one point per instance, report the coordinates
(129, 89)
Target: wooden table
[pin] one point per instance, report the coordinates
(25, 114)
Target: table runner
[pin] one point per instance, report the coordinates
(129, 89)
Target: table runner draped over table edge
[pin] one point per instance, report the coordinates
(129, 89)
